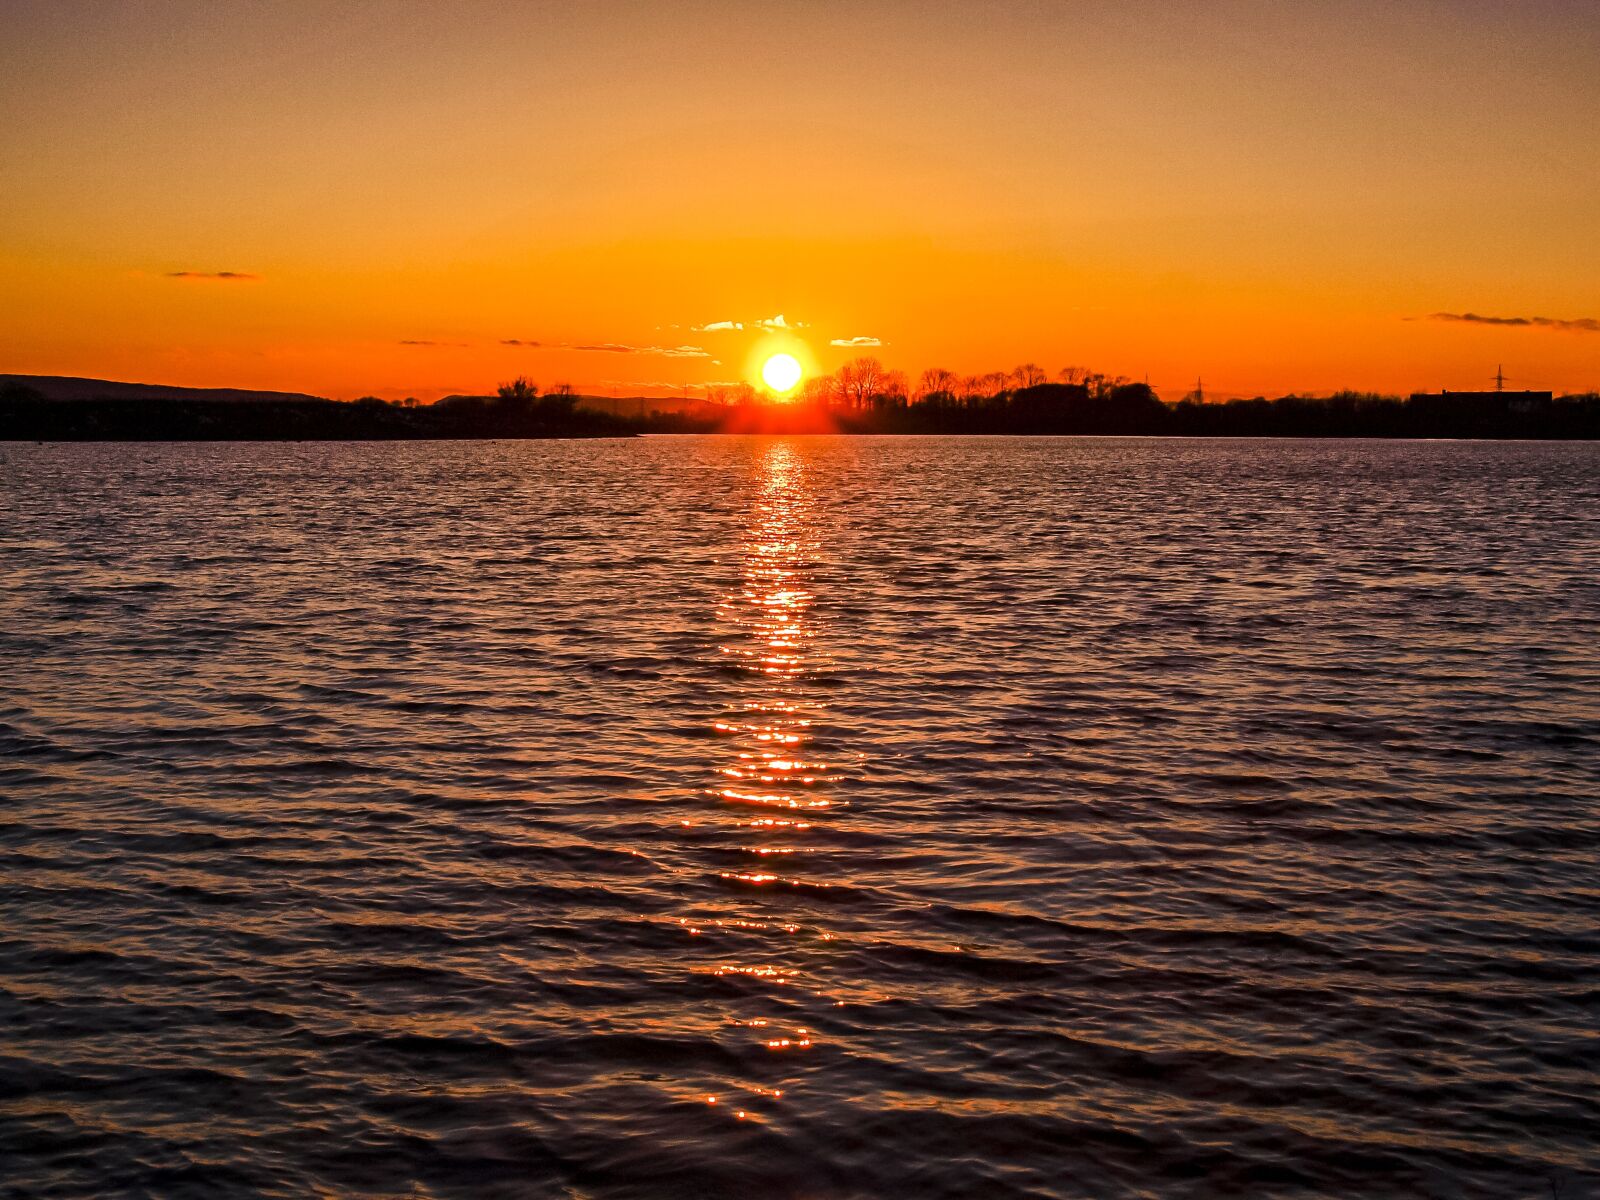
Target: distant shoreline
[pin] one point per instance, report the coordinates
(6, 440)
(1043, 410)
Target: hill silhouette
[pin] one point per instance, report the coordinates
(72, 387)
(201, 414)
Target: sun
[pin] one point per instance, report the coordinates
(781, 372)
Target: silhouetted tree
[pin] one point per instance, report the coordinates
(891, 391)
(1027, 375)
(520, 389)
(1101, 386)
(937, 386)
(818, 390)
(859, 381)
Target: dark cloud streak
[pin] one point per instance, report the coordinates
(1575, 325)
(224, 276)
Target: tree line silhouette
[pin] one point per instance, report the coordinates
(861, 397)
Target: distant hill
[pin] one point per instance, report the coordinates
(67, 387)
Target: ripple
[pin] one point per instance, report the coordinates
(800, 816)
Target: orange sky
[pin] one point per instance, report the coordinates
(1270, 198)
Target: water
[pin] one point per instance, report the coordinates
(800, 818)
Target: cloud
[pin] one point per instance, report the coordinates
(426, 342)
(225, 276)
(768, 323)
(663, 351)
(1575, 325)
(676, 385)
(855, 343)
(519, 342)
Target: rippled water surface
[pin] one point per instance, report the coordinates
(800, 818)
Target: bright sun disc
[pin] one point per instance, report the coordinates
(781, 372)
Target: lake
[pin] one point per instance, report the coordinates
(800, 817)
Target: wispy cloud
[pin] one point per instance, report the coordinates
(675, 385)
(425, 342)
(1574, 325)
(520, 342)
(223, 276)
(662, 351)
(854, 343)
(767, 323)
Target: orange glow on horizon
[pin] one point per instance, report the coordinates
(1230, 219)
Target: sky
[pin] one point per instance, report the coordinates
(425, 198)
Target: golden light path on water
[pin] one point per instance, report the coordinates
(770, 792)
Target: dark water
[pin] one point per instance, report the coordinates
(800, 818)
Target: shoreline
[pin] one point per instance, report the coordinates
(1045, 411)
(6, 440)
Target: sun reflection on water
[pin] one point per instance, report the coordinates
(772, 783)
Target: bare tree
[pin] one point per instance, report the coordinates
(818, 390)
(937, 386)
(1028, 375)
(1072, 375)
(892, 389)
(1103, 385)
(859, 381)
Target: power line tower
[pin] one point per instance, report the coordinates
(1500, 377)
(1199, 390)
